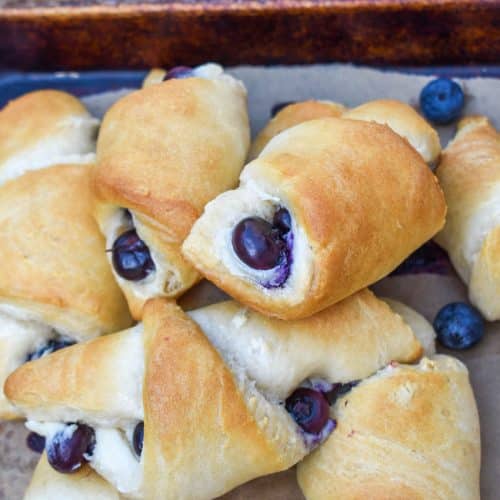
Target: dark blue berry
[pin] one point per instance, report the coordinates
(256, 244)
(138, 438)
(178, 72)
(429, 258)
(51, 346)
(279, 106)
(309, 408)
(70, 448)
(441, 101)
(35, 442)
(339, 390)
(459, 325)
(131, 257)
(282, 220)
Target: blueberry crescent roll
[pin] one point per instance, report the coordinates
(329, 207)
(163, 152)
(55, 284)
(191, 407)
(44, 128)
(84, 484)
(469, 174)
(399, 116)
(408, 432)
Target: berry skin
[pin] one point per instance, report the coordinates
(442, 101)
(131, 257)
(458, 325)
(138, 438)
(309, 408)
(35, 442)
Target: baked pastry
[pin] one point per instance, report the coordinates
(408, 432)
(163, 152)
(399, 116)
(469, 173)
(43, 128)
(84, 484)
(329, 207)
(206, 401)
(55, 284)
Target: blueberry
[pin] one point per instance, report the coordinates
(458, 325)
(131, 257)
(257, 244)
(70, 448)
(35, 442)
(138, 438)
(178, 72)
(338, 390)
(51, 346)
(279, 106)
(429, 258)
(282, 220)
(309, 408)
(441, 101)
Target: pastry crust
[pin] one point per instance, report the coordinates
(469, 173)
(292, 115)
(408, 432)
(84, 484)
(404, 120)
(43, 128)
(164, 152)
(361, 200)
(213, 387)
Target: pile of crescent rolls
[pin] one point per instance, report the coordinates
(104, 226)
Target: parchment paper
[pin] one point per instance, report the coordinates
(426, 293)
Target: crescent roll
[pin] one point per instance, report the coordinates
(329, 207)
(84, 484)
(44, 128)
(408, 432)
(163, 152)
(210, 388)
(55, 283)
(469, 173)
(397, 115)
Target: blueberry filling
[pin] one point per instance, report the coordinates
(429, 258)
(339, 390)
(51, 346)
(309, 408)
(262, 245)
(35, 442)
(131, 257)
(138, 438)
(178, 72)
(71, 448)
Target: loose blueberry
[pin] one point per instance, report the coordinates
(338, 390)
(178, 72)
(282, 220)
(35, 442)
(69, 449)
(131, 257)
(279, 106)
(429, 258)
(257, 244)
(459, 325)
(138, 438)
(51, 346)
(309, 408)
(441, 101)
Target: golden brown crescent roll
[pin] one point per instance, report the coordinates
(469, 174)
(163, 152)
(408, 432)
(329, 207)
(214, 391)
(44, 128)
(291, 115)
(399, 116)
(404, 120)
(55, 283)
(84, 484)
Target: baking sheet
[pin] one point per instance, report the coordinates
(426, 293)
